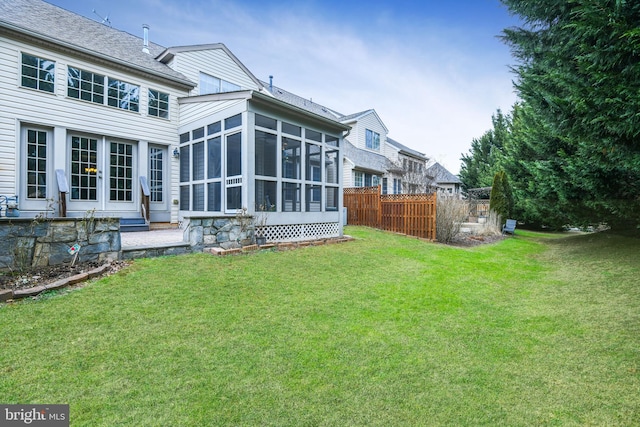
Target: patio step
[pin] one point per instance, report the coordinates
(133, 224)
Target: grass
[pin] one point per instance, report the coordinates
(386, 330)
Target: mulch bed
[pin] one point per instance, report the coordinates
(43, 275)
(465, 240)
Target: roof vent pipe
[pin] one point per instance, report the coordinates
(145, 43)
(270, 83)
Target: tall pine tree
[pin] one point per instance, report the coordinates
(579, 135)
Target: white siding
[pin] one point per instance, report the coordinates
(357, 137)
(347, 174)
(22, 105)
(214, 62)
(192, 112)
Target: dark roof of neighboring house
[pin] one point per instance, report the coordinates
(52, 24)
(365, 160)
(298, 101)
(405, 149)
(441, 175)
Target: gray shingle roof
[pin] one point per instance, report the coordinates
(300, 102)
(366, 160)
(441, 175)
(53, 24)
(406, 149)
(354, 115)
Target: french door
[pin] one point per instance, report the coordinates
(102, 174)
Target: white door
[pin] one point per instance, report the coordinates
(158, 165)
(102, 175)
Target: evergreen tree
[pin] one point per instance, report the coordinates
(482, 162)
(501, 201)
(576, 141)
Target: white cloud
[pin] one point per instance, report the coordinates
(435, 87)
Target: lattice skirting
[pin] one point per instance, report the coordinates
(300, 232)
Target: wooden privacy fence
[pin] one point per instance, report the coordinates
(412, 214)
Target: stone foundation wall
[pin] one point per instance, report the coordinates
(227, 233)
(28, 243)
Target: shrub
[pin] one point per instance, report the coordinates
(450, 213)
(492, 226)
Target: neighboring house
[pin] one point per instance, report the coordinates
(409, 166)
(365, 161)
(371, 158)
(109, 113)
(443, 180)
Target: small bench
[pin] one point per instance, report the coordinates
(509, 227)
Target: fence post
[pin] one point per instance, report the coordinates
(379, 204)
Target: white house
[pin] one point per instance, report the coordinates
(105, 120)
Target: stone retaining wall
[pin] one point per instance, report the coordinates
(226, 233)
(28, 243)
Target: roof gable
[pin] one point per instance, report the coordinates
(359, 116)
(441, 175)
(169, 53)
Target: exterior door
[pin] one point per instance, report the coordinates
(101, 175)
(156, 177)
(121, 189)
(84, 173)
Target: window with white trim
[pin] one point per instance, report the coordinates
(85, 85)
(36, 164)
(397, 186)
(123, 95)
(358, 179)
(372, 140)
(210, 84)
(37, 73)
(158, 104)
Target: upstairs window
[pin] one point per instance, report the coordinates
(158, 104)
(85, 85)
(123, 95)
(372, 140)
(210, 84)
(38, 73)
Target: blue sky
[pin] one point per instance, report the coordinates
(433, 70)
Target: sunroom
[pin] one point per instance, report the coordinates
(247, 154)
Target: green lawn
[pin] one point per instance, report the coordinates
(385, 330)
